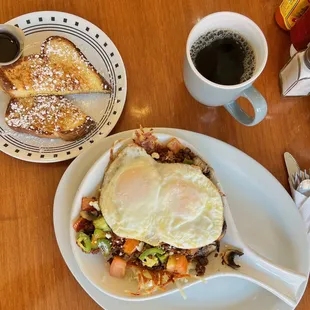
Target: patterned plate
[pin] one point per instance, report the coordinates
(105, 109)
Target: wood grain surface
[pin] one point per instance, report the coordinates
(150, 36)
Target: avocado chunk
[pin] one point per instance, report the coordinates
(100, 223)
(98, 234)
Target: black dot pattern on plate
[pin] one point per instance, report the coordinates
(112, 75)
(16, 25)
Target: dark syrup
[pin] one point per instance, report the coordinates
(9, 47)
(223, 57)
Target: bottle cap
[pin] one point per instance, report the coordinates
(307, 57)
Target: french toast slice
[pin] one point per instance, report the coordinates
(48, 117)
(60, 69)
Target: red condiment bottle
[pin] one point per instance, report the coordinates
(290, 11)
(300, 33)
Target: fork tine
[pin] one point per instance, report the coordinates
(296, 180)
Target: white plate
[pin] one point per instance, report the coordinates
(96, 267)
(105, 109)
(264, 213)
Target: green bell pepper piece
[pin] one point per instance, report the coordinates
(151, 252)
(150, 262)
(83, 241)
(163, 258)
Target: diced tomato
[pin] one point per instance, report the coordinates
(80, 224)
(85, 204)
(174, 145)
(177, 263)
(130, 246)
(118, 267)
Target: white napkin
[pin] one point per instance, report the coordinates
(303, 204)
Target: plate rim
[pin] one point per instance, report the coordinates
(86, 146)
(172, 131)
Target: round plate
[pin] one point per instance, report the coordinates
(105, 109)
(265, 215)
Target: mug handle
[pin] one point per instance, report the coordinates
(258, 103)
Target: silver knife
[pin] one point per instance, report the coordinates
(291, 165)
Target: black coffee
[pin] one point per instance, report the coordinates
(223, 57)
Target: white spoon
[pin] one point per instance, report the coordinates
(282, 282)
(304, 187)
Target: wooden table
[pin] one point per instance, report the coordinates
(150, 36)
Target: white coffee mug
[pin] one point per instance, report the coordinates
(213, 94)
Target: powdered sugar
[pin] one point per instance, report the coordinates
(101, 107)
(60, 68)
(44, 114)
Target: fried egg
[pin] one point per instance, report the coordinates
(159, 202)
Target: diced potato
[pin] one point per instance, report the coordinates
(130, 246)
(80, 224)
(174, 145)
(85, 204)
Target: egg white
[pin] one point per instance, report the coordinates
(155, 202)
